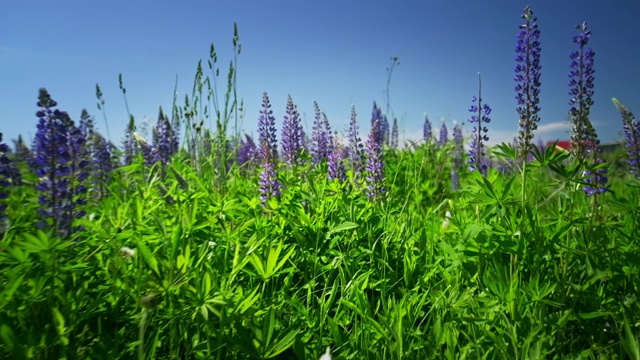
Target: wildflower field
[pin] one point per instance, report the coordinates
(201, 243)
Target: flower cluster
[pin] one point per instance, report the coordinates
(393, 143)
(375, 165)
(528, 80)
(292, 135)
(336, 166)
(427, 134)
(5, 175)
(268, 153)
(267, 142)
(356, 148)
(379, 121)
(321, 139)
(165, 141)
(581, 86)
(129, 143)
(458, 153)
(443, 136)
(59, 150)
(584, 141)
(477, 153)
(632, 138)
(247, 151)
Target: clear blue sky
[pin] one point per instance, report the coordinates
(333, 51)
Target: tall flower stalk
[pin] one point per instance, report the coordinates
(375, 164)
(5, 175)
(585, 141)
(291, 135)
(481, 115)
(427, 133)
(457, 160)
(443, 137)
(57, 148)
(269, 184)
(321, 139)
(631, 128)
(356, 148)
(527, 81)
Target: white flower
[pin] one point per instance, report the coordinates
(127, 252)
(445, 223)
(326, 355)
(211, 244)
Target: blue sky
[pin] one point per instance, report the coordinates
(334, 52)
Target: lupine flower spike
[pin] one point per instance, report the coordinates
(291, 135)
(632, 137)
(269, 183)
(426, 130)
(458, 153)
(57, 145)
(5, 175)
(527, 80)
(443, 136)
(375, 165)
(477, 153)
(585, 141)
(356, 148)
(321, 141)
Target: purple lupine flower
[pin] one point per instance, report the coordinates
(267, 131)
(584, 141)
(5, 175)
(581, 90)
(375, 164)
(247, 151)
(58, 147)
(321, 140)
(528, 80)
(102, 164)
(443, 136)
(477, 153)
(457, 160)
(129, 143)
(22, 153)
(336, 164)
(427, 134)
(632, 137)
(164, 141)
(378, 120)
(393, 143)
(291, 135)
(269, 184)
(356, 148)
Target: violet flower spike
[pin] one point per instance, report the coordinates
(375, 164)
(336, 166)
(356, 148)
(393, 143)
(5, 175)
(477, 153)
(267, 130)
(427, 134)
(631, 128)
(443, 136)
(457, 161)
(291, 135)
(528, 80)
(321, 140)
(581, 86)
